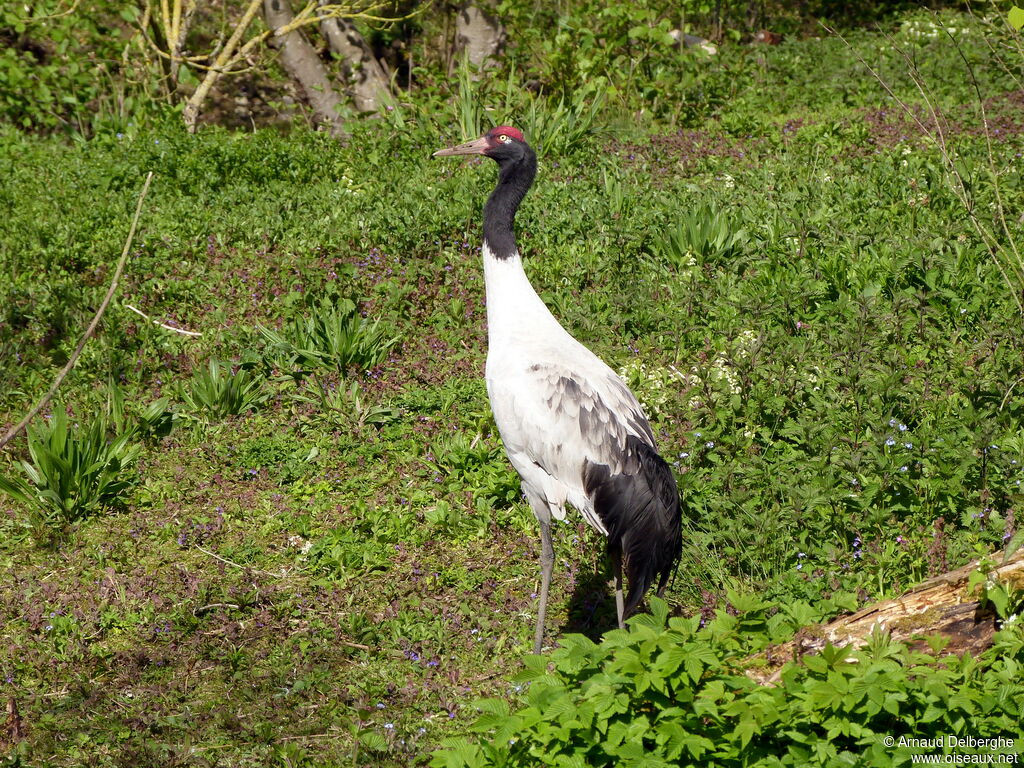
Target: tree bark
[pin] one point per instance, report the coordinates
(301, 62)
(365, 77)
(479, 35)
(179, 31)
(940, 606)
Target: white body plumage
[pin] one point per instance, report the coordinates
(572, 429)
(539, 380)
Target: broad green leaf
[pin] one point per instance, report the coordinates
(1016, 17)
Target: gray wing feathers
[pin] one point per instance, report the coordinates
(560, 419)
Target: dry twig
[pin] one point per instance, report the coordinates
(162, 325)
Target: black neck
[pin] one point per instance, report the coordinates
(514, 179)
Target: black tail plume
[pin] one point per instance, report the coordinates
(641, 512)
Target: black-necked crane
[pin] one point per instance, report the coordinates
(572, 429)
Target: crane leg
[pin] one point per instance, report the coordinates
(619, 602)
(547, 563)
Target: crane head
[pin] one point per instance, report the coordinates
(503, 142)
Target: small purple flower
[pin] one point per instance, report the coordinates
(890, 441)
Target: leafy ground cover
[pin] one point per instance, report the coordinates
(319, 555)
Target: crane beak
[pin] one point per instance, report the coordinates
(477, 147)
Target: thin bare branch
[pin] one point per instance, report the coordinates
(226, 56)
(48, 17)
(958, 185)
(991, 155)
(13, 431)
(162, 325)
(215, 556)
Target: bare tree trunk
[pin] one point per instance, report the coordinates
(479, 35)
(940, 606)
(302, 63)
(363, 74)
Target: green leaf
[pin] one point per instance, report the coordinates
(670, 659)
(16, 489)
(493, 706)
(815, 664)
(745, 730)
(999, 597)
(373, 741)
(659, 610)
(1014, 544)
(1016, 17)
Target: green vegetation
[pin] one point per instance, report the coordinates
(221, 393)
(294, 540)
(332, 337)
(72, 472)
(676, 695)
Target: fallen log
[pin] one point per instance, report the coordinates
(945, 605)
